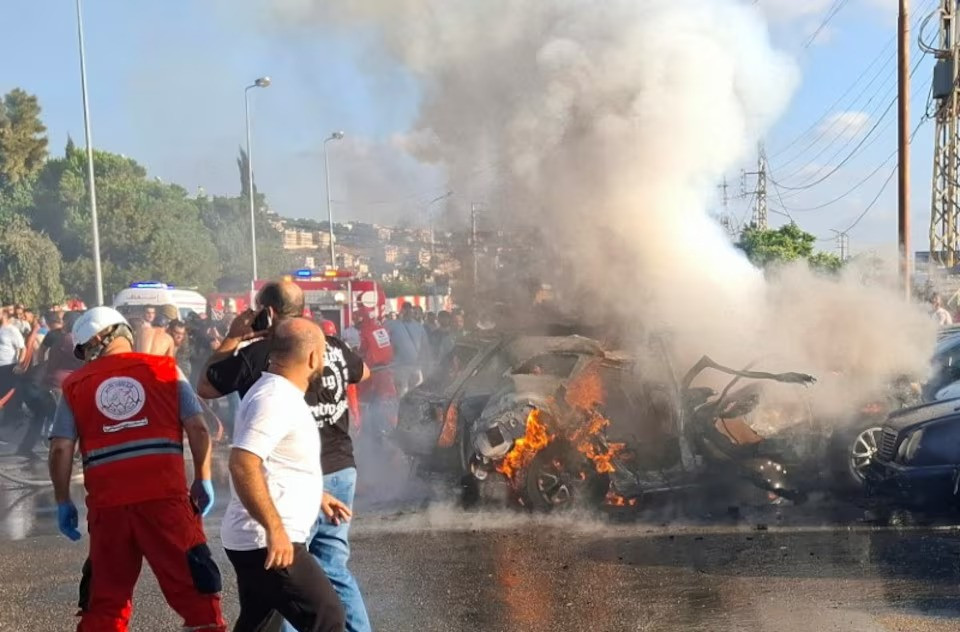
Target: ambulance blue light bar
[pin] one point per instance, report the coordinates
(304, 273)
(150, 285)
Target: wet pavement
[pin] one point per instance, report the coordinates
(429, 566)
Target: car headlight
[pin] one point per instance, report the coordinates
(909, 447)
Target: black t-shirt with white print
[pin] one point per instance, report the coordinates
(327, 399)
(327, 396)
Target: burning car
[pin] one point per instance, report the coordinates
(561, 418)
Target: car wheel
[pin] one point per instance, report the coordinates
(861, 452)
(558, 478)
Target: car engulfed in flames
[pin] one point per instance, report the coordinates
(604, 437)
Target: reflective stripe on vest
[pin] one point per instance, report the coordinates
(131, 450)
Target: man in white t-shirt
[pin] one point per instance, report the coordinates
(276, 486)
(12, 346)
(938, 312)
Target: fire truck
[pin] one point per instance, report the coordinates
(330, 294)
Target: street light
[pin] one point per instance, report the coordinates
(97, 272)
(326, 171)
(262, 82)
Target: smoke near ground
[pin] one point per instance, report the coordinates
(605, 126)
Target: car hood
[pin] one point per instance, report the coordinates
(908, 417)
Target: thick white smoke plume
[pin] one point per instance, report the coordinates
(607, 125)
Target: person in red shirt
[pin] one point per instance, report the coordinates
(128, 412)
(378, 395)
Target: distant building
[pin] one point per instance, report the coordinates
(384, 233)
(391, 253)
(297, 239)
(423, 258)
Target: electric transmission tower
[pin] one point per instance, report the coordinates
(759, 218)
(843, 244)
(945, 212)
(726, 220)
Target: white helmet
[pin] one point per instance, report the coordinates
(94, 321)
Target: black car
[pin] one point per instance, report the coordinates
(918, 460)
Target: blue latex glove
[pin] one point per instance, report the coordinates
(68, 519)
(201, 493)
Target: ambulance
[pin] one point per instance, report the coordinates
(131, 300)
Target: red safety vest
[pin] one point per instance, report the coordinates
(127, 414)
(377, 351)
(375, 347)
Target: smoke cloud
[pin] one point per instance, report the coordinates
(605, 127)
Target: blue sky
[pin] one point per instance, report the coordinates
(167, 78)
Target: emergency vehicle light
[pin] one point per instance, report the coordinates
(304, 273)
(150, 285)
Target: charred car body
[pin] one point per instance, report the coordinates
(558, 418)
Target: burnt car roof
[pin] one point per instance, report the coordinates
(923, 413)
(522, 348)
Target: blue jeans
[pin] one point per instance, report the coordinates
(331, 548)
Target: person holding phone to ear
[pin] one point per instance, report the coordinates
(240, 358)
(239, 362)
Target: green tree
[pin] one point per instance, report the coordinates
(228, 221)
(23, 140)
(29, 266)
(786, 244)
(826, 262)
(783, 245)
(148, 229)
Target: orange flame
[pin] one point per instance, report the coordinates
(615, 500)
(602, 459)
(586, 392)
(524, 449)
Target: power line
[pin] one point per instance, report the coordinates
(859, 184)
(887, 51)
(831, 13)
(826, 127)
(854, 152)
(853, 189)
(886, 183)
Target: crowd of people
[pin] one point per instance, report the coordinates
(279, 384)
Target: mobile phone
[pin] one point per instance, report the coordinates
(262, 321)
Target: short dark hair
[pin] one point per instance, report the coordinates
(286, 299)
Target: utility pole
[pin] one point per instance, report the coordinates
(724, 188)
(725, 219)
(91, 184)
(760, 217)
(945, 211)
(903, 58)
(474, 209)
(843, 244)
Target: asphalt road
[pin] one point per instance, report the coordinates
(433, 567)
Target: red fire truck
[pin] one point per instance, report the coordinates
(332, 294)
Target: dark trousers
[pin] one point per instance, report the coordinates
(301, 593)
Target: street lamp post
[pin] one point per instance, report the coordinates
(262, 82)
(97, 271)
(326, 171)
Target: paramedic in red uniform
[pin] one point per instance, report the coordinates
(129, 411)
(378, 395)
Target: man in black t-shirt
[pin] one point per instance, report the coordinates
(238, 363)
